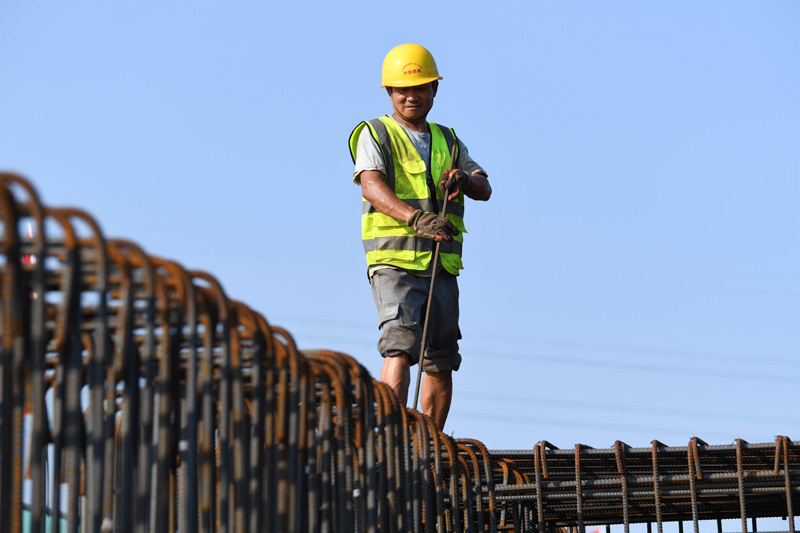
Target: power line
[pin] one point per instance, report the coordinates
(572, 361)
(665, 352)
(615, 427)
(640, 367)
(605, 407)
(693, 355)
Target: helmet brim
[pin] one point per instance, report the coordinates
(410, 83)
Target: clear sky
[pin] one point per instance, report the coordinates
(635, 276)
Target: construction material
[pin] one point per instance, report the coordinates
(586, 486)
(434, 266)
(136, 396)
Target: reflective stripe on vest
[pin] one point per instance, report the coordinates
(415, 182)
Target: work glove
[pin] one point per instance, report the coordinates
(432, 226)
(454, 182)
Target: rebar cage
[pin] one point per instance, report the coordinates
(136, 396)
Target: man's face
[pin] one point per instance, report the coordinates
(413, 103)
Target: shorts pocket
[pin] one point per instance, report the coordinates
(388, 312)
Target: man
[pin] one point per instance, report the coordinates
(402, 163)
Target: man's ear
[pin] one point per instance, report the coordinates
(435, 84)
(388, 91)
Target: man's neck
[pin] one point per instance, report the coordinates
(419, 125)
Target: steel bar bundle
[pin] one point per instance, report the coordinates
(136, 396)
(623, 485)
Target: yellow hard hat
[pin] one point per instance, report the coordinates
(408, 65)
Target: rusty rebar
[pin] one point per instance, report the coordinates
(166, 406)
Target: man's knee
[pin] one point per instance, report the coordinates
(396, 374)
(395, 370)
(440, 381)
(442, 362)
(445, 375)
(399, 360)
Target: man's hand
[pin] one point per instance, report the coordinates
(454, 182)
(432, 226)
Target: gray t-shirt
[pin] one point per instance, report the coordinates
(370, 157)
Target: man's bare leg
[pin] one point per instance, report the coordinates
(436, 394)
(396, 373)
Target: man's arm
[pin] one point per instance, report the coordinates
(382, 198)
(478, 187)
(475, 186)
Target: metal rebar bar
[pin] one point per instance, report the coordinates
(167, 406)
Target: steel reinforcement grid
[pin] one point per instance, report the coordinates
(136, 396)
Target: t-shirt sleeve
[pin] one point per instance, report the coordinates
(466, 163)
(368, 155)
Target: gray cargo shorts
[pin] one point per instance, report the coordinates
(401, 298)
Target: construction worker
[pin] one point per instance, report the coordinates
(403, 165)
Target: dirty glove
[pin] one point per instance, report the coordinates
(432, 226)
(454, 182)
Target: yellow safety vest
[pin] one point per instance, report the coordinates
(391, 242)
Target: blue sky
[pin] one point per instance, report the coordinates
(635, 276)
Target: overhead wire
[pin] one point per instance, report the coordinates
(488, 336)
(526, 419)
(606, 407)
(571, 361)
